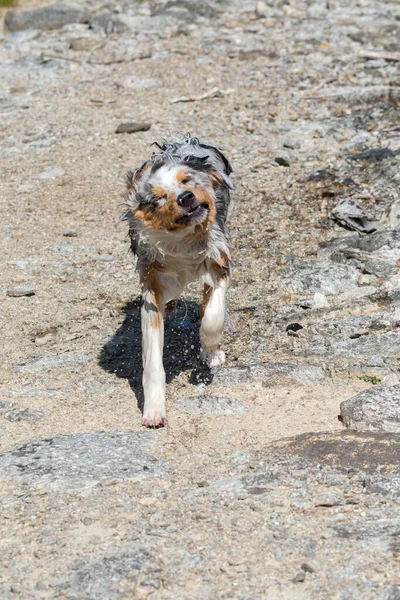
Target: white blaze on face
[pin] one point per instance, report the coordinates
(166, 177)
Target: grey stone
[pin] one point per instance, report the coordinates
(103, 21)
(377, 253)
(363, 530)
(140, 83)
(246, 482)
(375, 409)
(70, 233)
(263, 371)
(283, 158)
(51, 174)
(376, 346)
(104, 258)
(132, 127)
(327, 499)
(261, 9)
(20, 291)
(349, 214)
(320, 276)
(19, 37)
(5, 405)
(54, 16)
(24, 414)
(208, 404)
(374, 155)
(100, 578)
(50, 362)
(365, 451)
(82, 460)
(393, 593)
(186, 10)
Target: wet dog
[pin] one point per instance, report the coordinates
(177, 206)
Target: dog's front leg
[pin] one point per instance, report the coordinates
(152, 351)
(213, 319)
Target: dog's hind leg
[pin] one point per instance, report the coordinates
(212, 320)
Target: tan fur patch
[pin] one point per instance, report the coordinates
(206, 297)
(158, 191)
(161, 218)
(181, 175)
(221, 267)
(151, 277)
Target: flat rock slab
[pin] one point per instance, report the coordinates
(375, 409)
(268, 370)
(210, 405)
(50, 362)
(97, 579)
(48, 17)
(24, 414)
(311, 276)
(81, 460)
(364, 451)
(364, 530)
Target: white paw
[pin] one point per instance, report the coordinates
(154, 417)
(215, 359)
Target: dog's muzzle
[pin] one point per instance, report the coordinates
(191, 207)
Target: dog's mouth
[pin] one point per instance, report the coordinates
(196, 213)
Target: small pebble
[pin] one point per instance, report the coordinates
(283, 158)
(44, 339)
(390, 379)
(294, 327)
(70, 232)
(132, 127)
(21, 291)
(104, 257)
(5, 405)
(51, 174)
(261, 10)
(320, 300)
(23, 414)
(299, 578)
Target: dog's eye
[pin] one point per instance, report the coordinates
(186, 180)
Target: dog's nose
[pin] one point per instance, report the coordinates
(186, 199)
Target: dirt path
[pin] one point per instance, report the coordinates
(206, 508)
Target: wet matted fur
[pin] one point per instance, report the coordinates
(177, 206)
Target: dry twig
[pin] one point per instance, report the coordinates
(45, 55)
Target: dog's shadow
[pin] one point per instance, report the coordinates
(122, 354)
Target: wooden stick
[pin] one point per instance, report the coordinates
(45, 55)
(395, 56)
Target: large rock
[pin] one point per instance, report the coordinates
(377, 253)
(99, 578)
(267, 371)
(375, 409)
(311, 276)
(81, 460)
(365, 451)
(54, 16)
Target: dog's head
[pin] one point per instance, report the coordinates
(179, 187)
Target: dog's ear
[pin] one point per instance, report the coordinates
(133, 177)
(219, 179)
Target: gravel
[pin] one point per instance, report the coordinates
(226, 504)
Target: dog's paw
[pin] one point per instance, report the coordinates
(154, 417)
(154, 423)
(215, 359)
